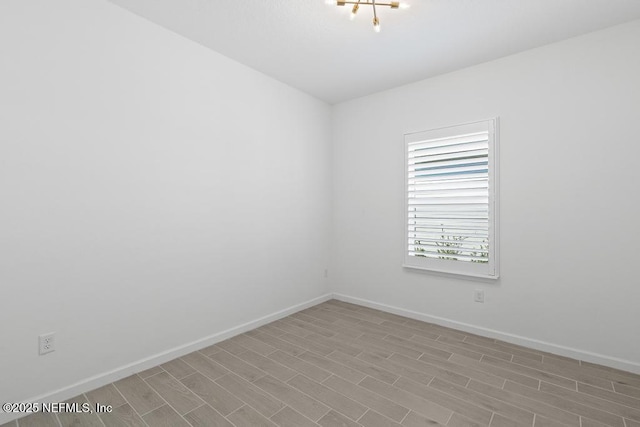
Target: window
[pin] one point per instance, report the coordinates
(451, 200)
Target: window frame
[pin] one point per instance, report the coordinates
(491, 269)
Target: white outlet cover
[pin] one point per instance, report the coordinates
(478, 295)
(47, 343)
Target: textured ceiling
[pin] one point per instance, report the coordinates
(315, 47)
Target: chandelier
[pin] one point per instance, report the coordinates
(373, 3)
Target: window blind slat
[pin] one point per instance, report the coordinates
(453, 192)
(444, 178)
(448, 141)
(426, 157)
(447, 185)
(458, 257)
(429, 232)
(472, 238)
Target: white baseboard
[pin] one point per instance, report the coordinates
(157, 359)
(600, 359)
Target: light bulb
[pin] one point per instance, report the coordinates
(376, 25)
(397, 4)
(354, 11)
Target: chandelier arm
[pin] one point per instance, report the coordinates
(392, 5)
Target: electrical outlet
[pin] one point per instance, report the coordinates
(478, 295)
(326, 272)
(47, 343)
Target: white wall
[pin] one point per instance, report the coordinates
(570, 201)
(152, 192)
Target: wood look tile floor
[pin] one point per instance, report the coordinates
(339, 364)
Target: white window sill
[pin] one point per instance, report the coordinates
(458, 274)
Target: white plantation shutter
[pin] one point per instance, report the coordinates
(451, 189)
